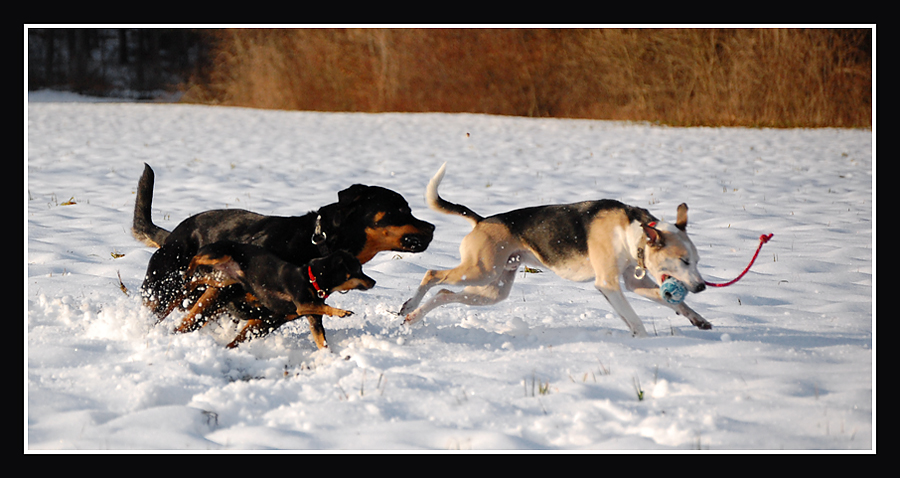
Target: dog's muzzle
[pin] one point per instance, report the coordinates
(418, 242)
(693, 288)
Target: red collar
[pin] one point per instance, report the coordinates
(312, 280)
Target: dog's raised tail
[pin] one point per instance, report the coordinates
(437, 203)
(142, 227)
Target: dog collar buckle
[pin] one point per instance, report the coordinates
(640, 271)
(318, 237)
(312, 280)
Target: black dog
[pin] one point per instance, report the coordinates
(364, 221)
(288, 291)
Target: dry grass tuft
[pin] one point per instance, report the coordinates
(733, 77)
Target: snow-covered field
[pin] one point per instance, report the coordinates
(788, 365)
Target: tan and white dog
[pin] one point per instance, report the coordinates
(601, 240)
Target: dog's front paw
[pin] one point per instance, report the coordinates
(411, 318)
(404, 310)
(699, 322)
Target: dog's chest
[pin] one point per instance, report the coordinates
(576, 269)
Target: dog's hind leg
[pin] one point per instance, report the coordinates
(460, 275)
(484, 254)
(468, 272)
(472, 295)
(207, 301)
(429, 281)
(253, 327)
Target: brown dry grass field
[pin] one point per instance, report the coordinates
(771, 77)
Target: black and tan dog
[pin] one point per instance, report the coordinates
(364, 221)
(286, 290)
(603, 241)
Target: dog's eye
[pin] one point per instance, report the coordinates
(686, 262)
(386, 216)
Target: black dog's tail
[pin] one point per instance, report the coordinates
(143, 228)
(437, 203)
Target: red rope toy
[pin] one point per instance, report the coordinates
(762, 240)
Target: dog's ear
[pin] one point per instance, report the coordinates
(681, 221)
(349, 261)
(332, 216)
(654, 237)
(320, 264)
(353, 193)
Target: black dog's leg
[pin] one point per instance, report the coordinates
(317, 331)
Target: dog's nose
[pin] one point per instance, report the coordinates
(416, 242)
(700, 288)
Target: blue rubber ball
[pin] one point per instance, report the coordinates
(672, 291)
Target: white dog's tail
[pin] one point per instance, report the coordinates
(437, 203)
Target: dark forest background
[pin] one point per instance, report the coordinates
(772, 77)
